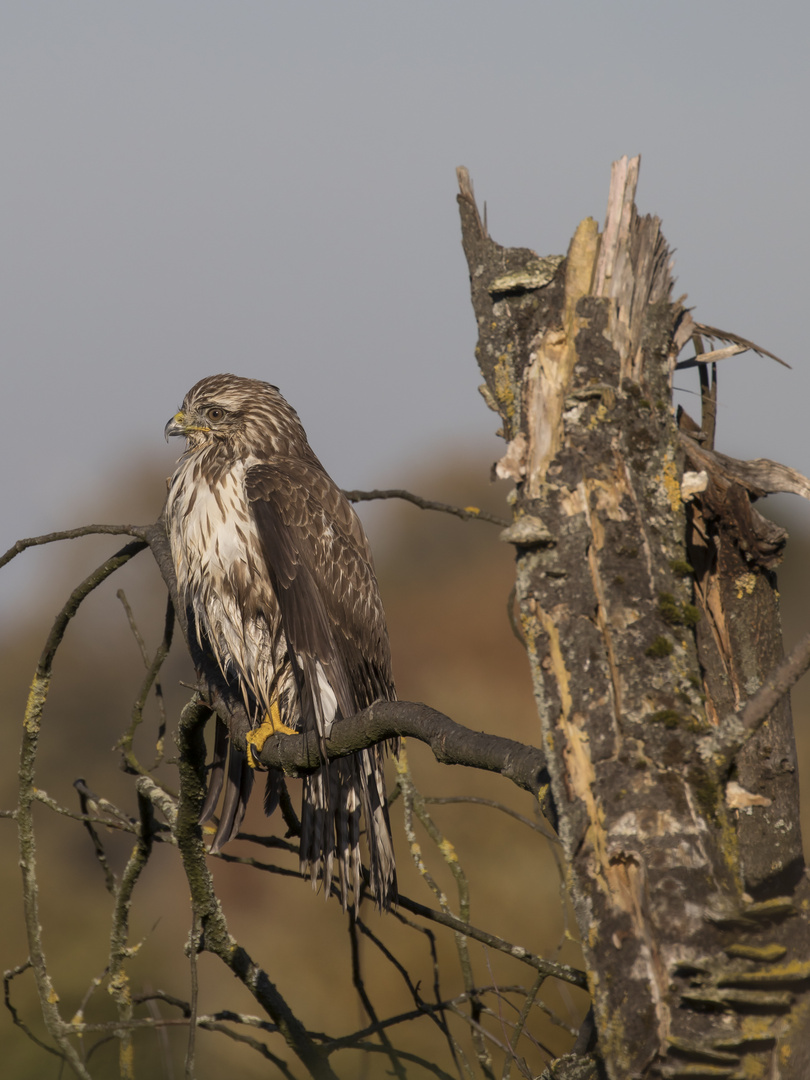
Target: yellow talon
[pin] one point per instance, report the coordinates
(271, 725)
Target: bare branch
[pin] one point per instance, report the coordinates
(119, 935)
(466, 513)
(72, 534)
(451, 744)
(86, 800)
(360, 987)
(116, 820)
(776, 685)
(711, 332)
(477, 800)
(520, 1025)
(760, 476)
(151, 679)
(37, 697)
(8, 977)
(557, 971)
(724, 743)
(415, 805)
(254, 1044)
(194, 943)
(216, 937)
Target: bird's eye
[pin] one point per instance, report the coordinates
(215, 414)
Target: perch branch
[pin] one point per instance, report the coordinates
(451, 744)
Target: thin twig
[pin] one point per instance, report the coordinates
(564, 972)
(359, 985)
(78, 1016)
(414, 804)
(162, 1037)
(517, 1031)
(119, 935)
(117, 820)
(150, 679)
(723, 743)
(405, 1055)
(72, 534)
(436, 1010)
(8, 977)
(254, 1044)
(87, 801)
(466, 513)
(122, 596)
(475, 1025)
(477, 800)
(775, 686)
(194, 941)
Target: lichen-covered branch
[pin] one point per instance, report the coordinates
(58, 1029)
(215, 935)
(119, 984)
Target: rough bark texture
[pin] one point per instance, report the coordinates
(685, 865)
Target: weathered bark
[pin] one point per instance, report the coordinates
(649, 622)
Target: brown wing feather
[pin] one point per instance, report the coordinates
(320, 570)
(319, 566)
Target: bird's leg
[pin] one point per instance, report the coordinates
(271, 725)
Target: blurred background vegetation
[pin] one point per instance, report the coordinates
(445, 584)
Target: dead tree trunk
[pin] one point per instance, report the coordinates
(650, 616)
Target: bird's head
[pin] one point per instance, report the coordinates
(227, 409)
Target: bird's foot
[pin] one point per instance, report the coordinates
(271, 725)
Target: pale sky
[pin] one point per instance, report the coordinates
(269, 188)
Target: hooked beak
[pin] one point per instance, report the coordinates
(176, 426)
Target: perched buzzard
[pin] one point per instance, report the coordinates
(275, 572)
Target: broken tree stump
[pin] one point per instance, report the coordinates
(647, 600)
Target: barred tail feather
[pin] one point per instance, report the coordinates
(382, 866)
(330, 827)
(216, 775)
(314, 846)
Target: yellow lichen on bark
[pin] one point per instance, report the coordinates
(671, 482)
(37, 696)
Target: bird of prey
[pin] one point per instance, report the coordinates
(275, 574)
